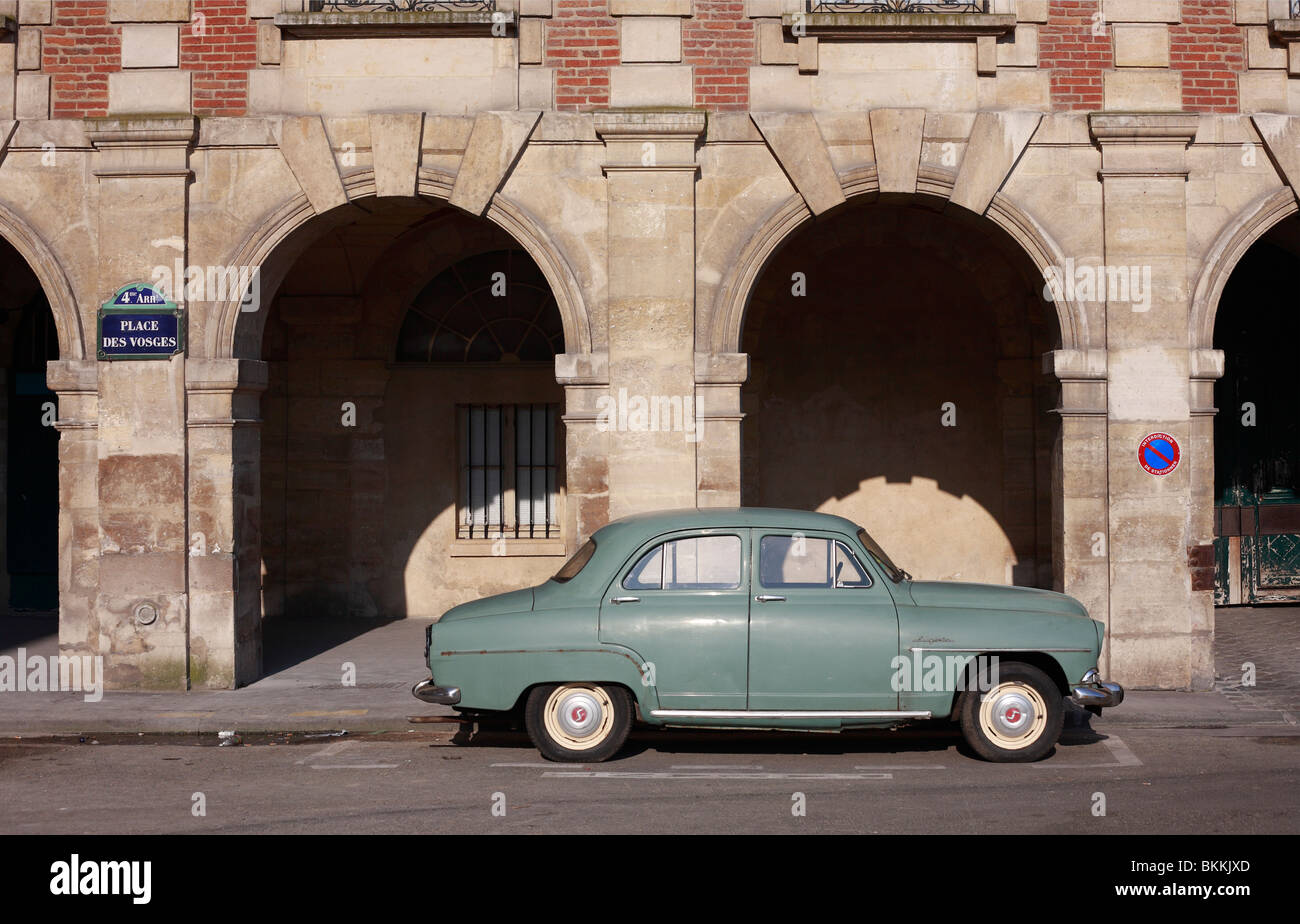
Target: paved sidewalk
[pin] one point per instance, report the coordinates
(304, 692)
(303, 689)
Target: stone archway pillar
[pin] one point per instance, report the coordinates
(719, 378)
(223, 484)
(141, 613)
(651, 171)
(1080, 547)
(585, 377)
(75, 382)
(1162, 622)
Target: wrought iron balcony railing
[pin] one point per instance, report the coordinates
(901, 6)
(401, 6)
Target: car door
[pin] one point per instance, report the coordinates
(823, 631)
(682, 603)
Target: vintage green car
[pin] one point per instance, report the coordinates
(758, 618)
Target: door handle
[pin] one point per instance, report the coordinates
(624, 599)
(769, 598)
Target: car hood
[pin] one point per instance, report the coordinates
(515, 601)
(957, 594)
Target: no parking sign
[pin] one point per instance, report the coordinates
(1159, 453)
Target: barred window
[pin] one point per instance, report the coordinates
(508, 471)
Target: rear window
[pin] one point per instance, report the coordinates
(576, 563)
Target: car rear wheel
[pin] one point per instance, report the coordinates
(578, 722)
(1018, 721)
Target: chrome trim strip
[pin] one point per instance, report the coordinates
(994, 648)
(785, 714)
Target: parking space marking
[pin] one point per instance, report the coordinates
(1118, 749)
(538, 766)
(716, 767)
(353, 766)
(709, 775)
(328, 751)
(903, 767)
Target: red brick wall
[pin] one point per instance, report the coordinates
(1210, 51)
(1074, 55)
(220, 57)
(79, 49)
(720, 42)
(582, 45)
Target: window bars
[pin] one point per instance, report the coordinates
(508, 472)
(903, 6)
(401, 6)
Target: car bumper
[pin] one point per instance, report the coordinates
(427, 692)
(1097, 694)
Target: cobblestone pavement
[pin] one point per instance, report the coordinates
(1269, 638)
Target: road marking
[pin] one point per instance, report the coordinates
(904, 767)
(710, 775)
(320, 714)
(353, 766)
(327, 751)
(1118, 749)
(717, 767)
(534, 765)
(1123, 756)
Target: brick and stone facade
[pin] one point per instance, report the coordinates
(818, 228)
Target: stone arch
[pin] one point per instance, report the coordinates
(727, 318)
(54, 281)
(1239, 236)
(222, 337)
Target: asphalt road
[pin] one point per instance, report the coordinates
(1240, 781)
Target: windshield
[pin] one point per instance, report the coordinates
(576, 563)
(892, 570)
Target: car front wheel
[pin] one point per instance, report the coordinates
(578, 722)
(1018, 720)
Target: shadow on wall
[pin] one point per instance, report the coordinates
(361, 465)
(903, 390)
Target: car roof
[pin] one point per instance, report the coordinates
(653, 522)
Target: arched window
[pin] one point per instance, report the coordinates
(492, 307)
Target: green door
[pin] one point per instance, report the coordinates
(682, 604)
(823, 631)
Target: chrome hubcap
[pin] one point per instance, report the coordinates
(579, 714)
(1013, 714)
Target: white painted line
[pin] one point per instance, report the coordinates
(717, 767)
(353, 766)
(535, 765)
(711, 775)
(1123, 756)
(1118, 749)
(327, 751)
(903, 767)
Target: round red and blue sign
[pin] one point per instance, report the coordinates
(1159, 453)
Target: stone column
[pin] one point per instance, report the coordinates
(1206, 368)
(585, 377)
(718, 380)
(224, 487)
(142, 165)
(1080, 544)
(651, 173)
(1160, 637)
(75, 381)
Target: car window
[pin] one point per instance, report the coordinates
(694, 563)
(848, 570)
(575, 564)
(803, 561)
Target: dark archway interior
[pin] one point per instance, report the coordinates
(30, 458)
(911, 319)
(397, 330)
(1257, 429)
